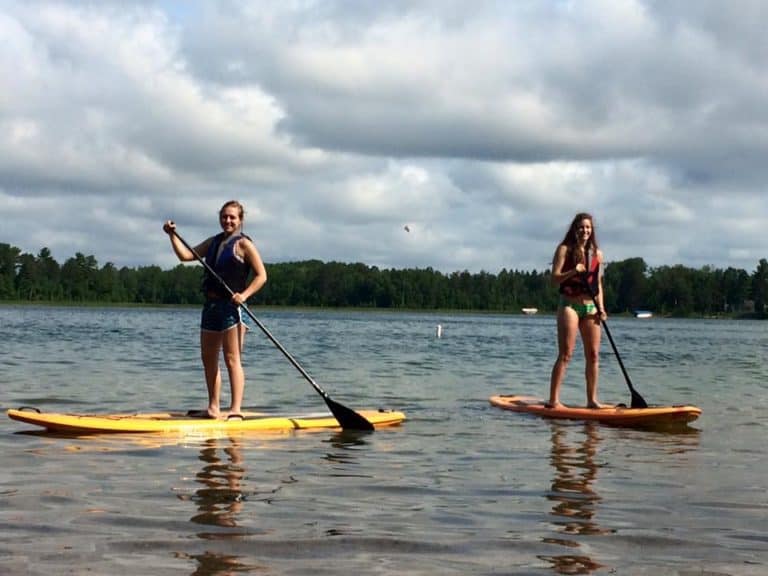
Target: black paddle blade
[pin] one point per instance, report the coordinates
(348, 419)
(637, 400)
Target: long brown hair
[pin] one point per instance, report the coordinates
(570, 237)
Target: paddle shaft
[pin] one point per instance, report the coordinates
(347, 418)
(615, 351)
(637, 400)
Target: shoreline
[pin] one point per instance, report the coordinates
(426, 311)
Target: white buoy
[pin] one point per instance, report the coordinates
(439, 331)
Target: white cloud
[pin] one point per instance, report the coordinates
(484, 126)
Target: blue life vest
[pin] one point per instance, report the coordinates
(233, 271)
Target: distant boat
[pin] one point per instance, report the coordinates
(530, 311)
(643, 314)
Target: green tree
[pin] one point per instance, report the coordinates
(129, 283)
(625, 283)
(9, 258)
(183, 285)
(760, 286)
(149, 285)
(629, 284)
(673, 290)
(707, 295)
(107, 286)
(78, 277)
(736, 286)
(28, 278)
(50, 276)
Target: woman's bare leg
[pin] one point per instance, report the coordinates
(590, 336)
(567, 328)
(210, 348)
(232, 343)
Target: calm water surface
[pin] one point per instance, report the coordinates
(460, 488)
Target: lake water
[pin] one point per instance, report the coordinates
(460, 488)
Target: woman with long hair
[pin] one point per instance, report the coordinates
(577, 271)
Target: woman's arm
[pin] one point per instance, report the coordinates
(599, 302)
(251, 255)
(558, 261)
(182, 252)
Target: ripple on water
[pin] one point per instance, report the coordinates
(460, 488)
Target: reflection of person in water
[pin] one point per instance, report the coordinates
(219, 502)
(221, 499)
(573, 494)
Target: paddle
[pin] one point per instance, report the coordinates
(637, 400)
(348, 419)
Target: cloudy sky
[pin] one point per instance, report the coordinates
(483, 126)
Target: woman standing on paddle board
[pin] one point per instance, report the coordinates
(233, 256)
(577, 261)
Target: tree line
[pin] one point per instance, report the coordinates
(629, 285)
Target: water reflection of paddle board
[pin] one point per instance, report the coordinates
(651, 417)
(181, 422)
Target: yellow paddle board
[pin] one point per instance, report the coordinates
(180, 422)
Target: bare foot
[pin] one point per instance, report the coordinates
(213, 413)
(597, 405)
(557, 404)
